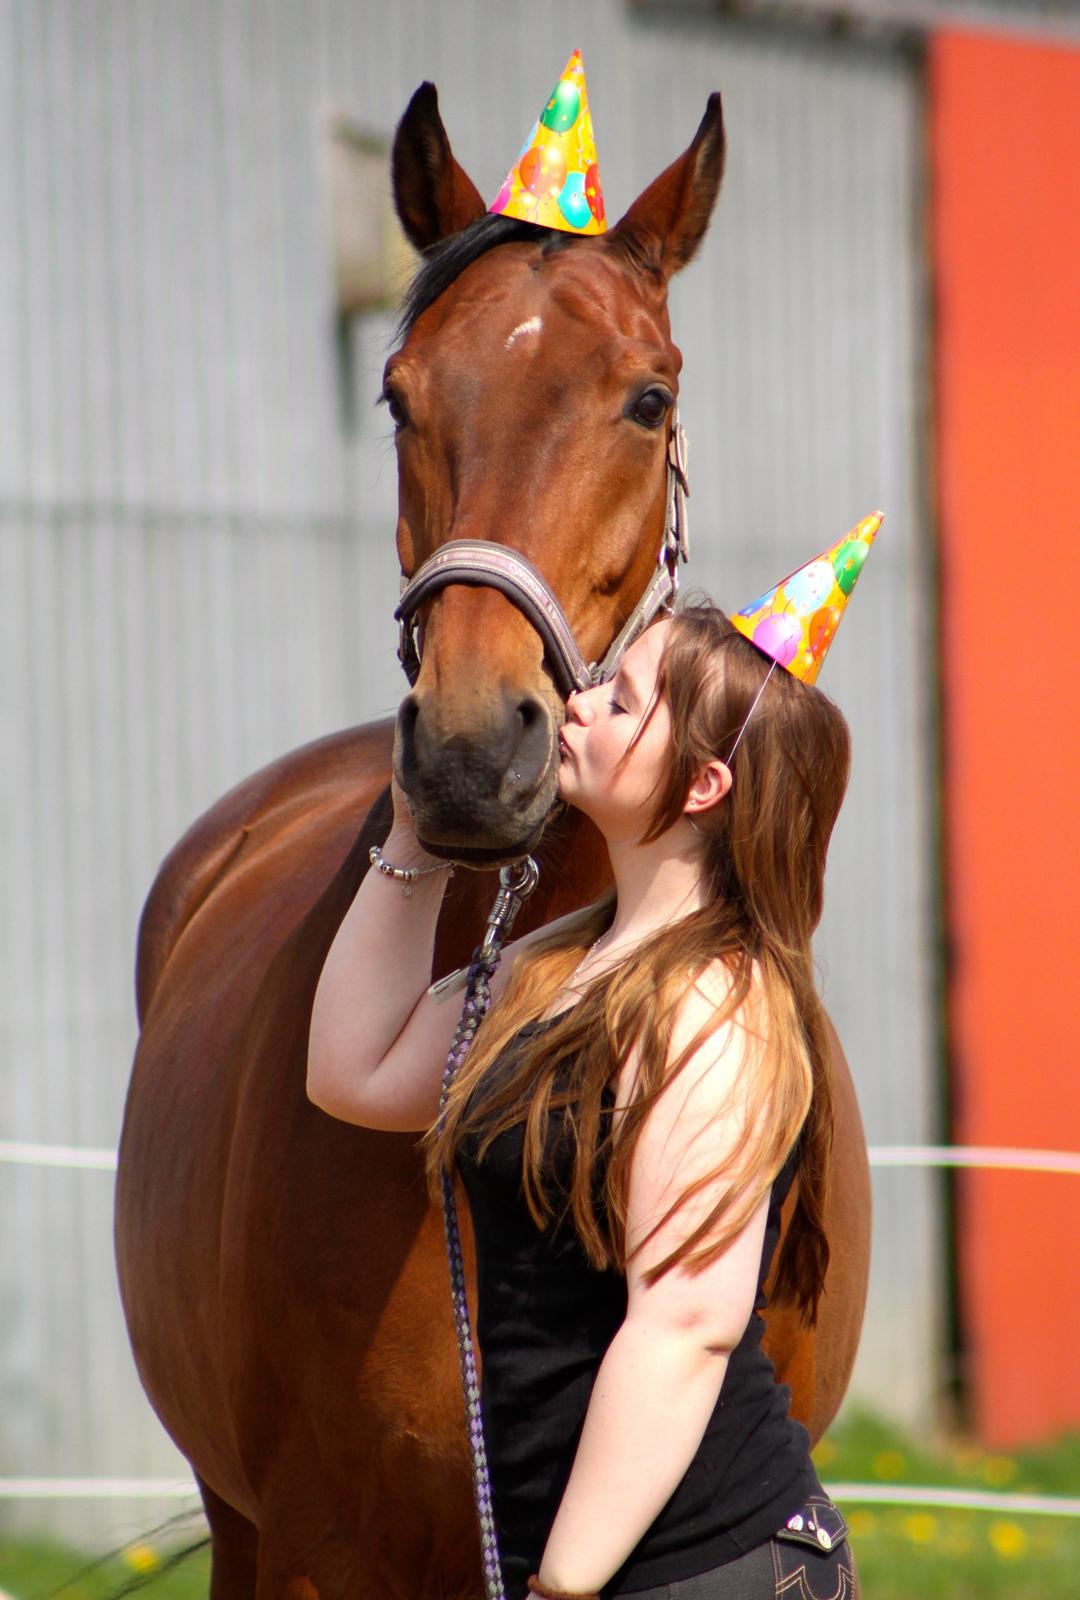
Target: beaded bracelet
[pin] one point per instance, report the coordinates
(406, 876)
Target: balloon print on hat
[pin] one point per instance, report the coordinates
(809, 587)
(561, 110)
(594, 194)
(543, 171)
(779, 634)
(823, 624)
(572, 202)
(848, 562)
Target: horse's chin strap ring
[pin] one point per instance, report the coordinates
(483, 564)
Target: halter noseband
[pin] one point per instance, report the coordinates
(482, 564)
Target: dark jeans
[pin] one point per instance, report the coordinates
(793, 1565)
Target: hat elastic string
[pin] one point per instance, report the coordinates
(749, 714)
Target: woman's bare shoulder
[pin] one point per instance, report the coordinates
(712, 996)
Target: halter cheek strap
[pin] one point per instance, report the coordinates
(663, 586)
(484, 564)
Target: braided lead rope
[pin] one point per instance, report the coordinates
(477, 1000)
(515, 883)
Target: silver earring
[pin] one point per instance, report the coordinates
(693, 824)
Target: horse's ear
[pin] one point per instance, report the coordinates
(664, 226)
(433, 195)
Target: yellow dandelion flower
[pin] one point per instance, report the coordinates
(998, 1471)
(1008, 1540)
(888, 1464)
(825, 1452)
(142, 1558)
(920, 1527)
(863, 1524)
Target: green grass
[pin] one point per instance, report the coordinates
(904, 1552)
(36, 1569)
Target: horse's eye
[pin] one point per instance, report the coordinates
(394, 404)
(651, 408)
(398, 414)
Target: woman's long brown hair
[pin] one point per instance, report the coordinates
(765, 851)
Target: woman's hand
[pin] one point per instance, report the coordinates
(403, 847)
(377, 1044)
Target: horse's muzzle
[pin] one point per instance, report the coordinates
(479, 793)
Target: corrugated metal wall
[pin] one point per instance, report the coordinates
(196, 565)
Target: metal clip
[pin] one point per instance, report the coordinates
(516, 882)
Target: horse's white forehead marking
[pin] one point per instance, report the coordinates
(530, 325)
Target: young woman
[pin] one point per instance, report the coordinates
(652, 1078)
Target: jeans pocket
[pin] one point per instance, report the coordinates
(811, 1556)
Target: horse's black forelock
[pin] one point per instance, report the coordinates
(444, 262)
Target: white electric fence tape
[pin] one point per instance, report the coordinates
(992, 1157)
(918, 1494)
(986, 1157)
(96, 1489)
(57, 1155)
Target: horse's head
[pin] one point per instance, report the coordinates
(532, 396)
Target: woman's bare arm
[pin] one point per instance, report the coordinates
(660, 1377)
(378, 1041)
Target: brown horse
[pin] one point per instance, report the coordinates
(283, 1274)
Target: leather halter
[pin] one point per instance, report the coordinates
(483, 564)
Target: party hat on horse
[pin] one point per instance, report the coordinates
(555, 180)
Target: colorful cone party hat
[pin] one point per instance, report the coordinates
(796, 621)
(555, 181)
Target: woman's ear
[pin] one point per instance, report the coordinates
(708, 788)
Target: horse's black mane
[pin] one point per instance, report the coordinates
(442, 263)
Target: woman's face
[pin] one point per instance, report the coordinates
(600, 725)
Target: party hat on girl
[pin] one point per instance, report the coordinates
(555, 181)
(796, 621)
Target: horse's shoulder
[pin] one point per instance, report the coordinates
(316, 796)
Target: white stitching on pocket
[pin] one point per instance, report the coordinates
(795, 1584)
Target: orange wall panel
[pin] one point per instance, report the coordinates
(1005, 151)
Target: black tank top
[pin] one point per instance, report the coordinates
(545, 1317)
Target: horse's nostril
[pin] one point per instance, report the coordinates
(530, 755)
(530, 711)
(408, 714)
